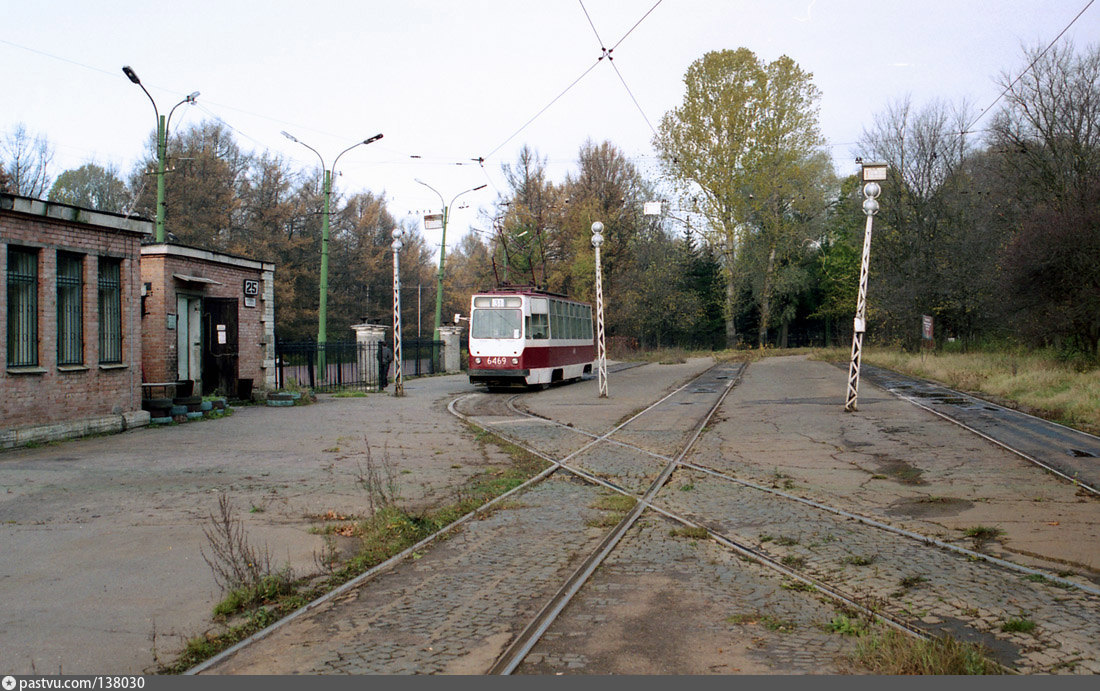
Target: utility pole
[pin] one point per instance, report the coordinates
(162, 145)
(872, 173)
(326, 189)
(443, 253)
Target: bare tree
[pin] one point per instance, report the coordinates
(25, 160)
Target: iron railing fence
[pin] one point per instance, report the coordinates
(350, 366)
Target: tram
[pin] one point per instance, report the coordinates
(525, 336)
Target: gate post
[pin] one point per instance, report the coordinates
(367, 337)
(452, 344)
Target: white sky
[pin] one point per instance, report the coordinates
(453, 80)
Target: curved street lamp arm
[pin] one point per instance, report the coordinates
(189, 99)
(132, 76)
(441, 203)
(369, 140)
(294, 139)
(472, 189)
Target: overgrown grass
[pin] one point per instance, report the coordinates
(895, 653)
(1041, 382)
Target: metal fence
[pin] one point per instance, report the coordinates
(348, 365)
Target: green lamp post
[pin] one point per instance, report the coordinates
(442, 254)
(162, 144)
(322, 314)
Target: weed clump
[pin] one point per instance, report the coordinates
(895, 653)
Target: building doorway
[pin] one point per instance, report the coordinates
(221, 351)
(188, 337)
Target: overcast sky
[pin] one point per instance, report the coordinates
(451, 81)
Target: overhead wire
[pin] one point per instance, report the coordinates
(1028, 68)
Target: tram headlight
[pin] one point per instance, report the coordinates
(515, 361)
(477, 361)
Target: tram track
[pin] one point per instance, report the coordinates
(528, 639)
(569, 448)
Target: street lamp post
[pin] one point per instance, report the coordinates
(322, 312)
(601, 350)
(398, 384)
(162, 144)
(442, 254)
(872, 173)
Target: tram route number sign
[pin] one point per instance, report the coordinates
(251, 291)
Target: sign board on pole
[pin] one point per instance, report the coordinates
(926, 327)
(433, 221)
(652, 209)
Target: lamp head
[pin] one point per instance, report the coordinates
(289, 136)
(481, 187)
(130, 74)
(375, 138)
(192, 96)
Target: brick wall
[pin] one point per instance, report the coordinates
(49, 393)
(223, 277)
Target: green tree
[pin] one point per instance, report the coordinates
(746, 145)
(92, 187)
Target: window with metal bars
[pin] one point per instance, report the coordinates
(110, 311)
(22, 307)
(70, 309)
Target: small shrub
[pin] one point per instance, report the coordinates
(693, 532)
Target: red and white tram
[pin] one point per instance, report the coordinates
(526, 336)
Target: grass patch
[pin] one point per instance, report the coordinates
(614, 508)
(1040, 381)
(912, 581)
(797, 586)
(693, 532)
(768, 621)
(786, 540)
(894, 653)
(847, 626)
(1018, 625)
(859, 560)
(793, 561)
(981, 534)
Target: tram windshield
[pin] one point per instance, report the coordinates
(496, 323)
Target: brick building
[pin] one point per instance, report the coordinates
(208, 318)
(70, 335)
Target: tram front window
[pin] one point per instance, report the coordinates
(490, 323)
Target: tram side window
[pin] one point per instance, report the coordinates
(538, 326)
(587, 321)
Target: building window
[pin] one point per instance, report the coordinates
(70, 309)
(110, 311)
(22, 307)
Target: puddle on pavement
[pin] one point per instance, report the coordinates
(1078, 453)
(899, 470)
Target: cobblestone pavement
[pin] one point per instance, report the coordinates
(938, 590)
(667, 600)
(451, 610)
(666, 604)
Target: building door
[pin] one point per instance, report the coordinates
(220, 347)
(188, 337)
